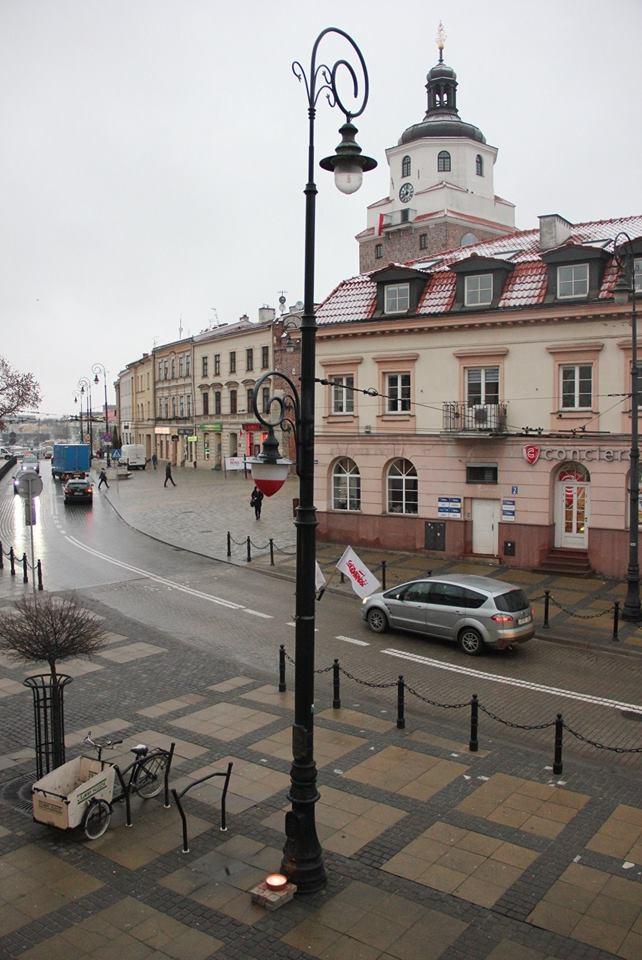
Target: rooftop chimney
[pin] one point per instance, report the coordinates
(266, 314)
(553, 231)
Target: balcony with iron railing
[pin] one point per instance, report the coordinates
(485, 419)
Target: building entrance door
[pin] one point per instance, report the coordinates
(485, 526)
(571, 522)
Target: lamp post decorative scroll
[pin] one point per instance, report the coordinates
(99, 368)
(623, 291)
(85, 384)
(302, 856)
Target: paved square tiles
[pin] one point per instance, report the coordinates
(329, 745)
(99, 731)
(131, 651)
(10, 687)
(471, 865)
(621, 835)
(363, 721)
(222, 879)
(270, 695)
(155, 831)
(224, 721)
(510, 950)
(170, 706)
(532, 807)
(367, 923)
(250, 783)
(34, 882)
(128, 929)
(232, 684)
(411, 774)
(345, 823)
(454, 745)
(592, 906)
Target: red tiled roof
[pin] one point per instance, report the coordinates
(355, 298)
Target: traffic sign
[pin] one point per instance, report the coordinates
(115, 454)
(28, 484)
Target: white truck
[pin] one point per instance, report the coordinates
(133, 455)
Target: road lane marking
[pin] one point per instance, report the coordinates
(359, 643)
(514, 681)
(172, 584)
(257, 613)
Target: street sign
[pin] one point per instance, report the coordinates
(115, 454)
(28, 484)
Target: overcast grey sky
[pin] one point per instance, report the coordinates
(153, 153)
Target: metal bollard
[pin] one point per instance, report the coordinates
(383, 573)
(401, 720)
(25, 575)
(559, 734)
(473, 743)
(271, 552)
(343, 579)
(249, 550)
(1, 556)
(39, 569)
(547, 600)
(336, 691)
(616, 620)
(282, 668)
(12, 562)
(229, 544)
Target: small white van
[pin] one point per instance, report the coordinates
(133, 454)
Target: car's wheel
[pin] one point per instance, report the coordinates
(97, 818)
(377, 620)
(471, 641)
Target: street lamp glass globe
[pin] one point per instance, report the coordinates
(348, 177)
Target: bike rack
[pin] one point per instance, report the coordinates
(126, 787)
(179, 796)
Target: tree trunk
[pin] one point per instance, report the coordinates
(57, 726)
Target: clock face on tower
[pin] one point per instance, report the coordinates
(406, 192)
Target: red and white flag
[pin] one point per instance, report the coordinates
(380, 223)
(363, 580)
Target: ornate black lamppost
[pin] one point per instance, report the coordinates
(624, 291)
(76, 401)
(85, 383)
(302, 856)
(97, 368)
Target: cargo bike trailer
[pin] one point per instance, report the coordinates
(82, 792)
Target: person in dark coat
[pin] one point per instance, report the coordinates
(256, 501)
(168, 475)
(154, 461)
(102, 478)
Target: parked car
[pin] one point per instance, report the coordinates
(472, 611)
(78, 491)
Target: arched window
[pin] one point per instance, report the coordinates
(467, 239)
(346, 485)
(402, 487)
(405, 167)
(479, 165)
(443, 161)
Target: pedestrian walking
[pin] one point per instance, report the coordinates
(168, 475)
(256, 501)
(154, 461)
(102, 478)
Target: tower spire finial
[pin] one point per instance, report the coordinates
(441, 41)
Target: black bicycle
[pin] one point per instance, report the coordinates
(146, 776)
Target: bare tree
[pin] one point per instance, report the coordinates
(18, 391)
(50, 630)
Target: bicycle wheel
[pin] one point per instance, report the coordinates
(97, 818)
(150, 776)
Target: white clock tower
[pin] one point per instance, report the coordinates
(441, 184)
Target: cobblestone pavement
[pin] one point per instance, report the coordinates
(205, 506)
(431, 851)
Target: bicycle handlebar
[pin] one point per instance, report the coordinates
(101, 746)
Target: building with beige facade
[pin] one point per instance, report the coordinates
(173, 380)
(495, 420)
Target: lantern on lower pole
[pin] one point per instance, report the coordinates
(269, 469)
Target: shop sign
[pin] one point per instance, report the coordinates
(211, 427)
(532, 454)
(508, 510)
(449, 507)
(251, 427)
(161, 430)
(192, 439)
(234, 463)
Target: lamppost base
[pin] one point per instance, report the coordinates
(632, 614)
(302, 856)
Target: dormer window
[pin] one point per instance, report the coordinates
(405, 167)
(397, 298)
(479, 165)
(478, 290)
(443, 161)
(572, 281)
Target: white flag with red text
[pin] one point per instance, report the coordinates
(363, 580)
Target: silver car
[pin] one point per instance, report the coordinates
(473, 611)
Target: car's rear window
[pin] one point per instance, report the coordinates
(512, 601)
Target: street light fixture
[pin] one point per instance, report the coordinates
(302, 856)
(83, 383)
(99, 368)
(76, 401)
(624, 291)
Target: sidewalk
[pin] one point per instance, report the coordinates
(199, 512)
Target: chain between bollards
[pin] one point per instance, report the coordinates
(559, 735)
(473, 743)
(616, 620)
(336, 688)
(39, 570)
(25, 575)
(401, 720)
(282, 668)
(547, 601)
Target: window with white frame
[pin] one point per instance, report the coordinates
(402, 487)
(576, 388)
(397, 297)
(478, 290)
(343, 394)
(181, 406)
(482, 386)
(189, 404)
(398, 392)
(206, 402)
(204, 366)
(637, 275)
(572, 281)
(346, 485)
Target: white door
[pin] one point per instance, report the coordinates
(485, 526)
(571, 519)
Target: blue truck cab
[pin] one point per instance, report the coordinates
(70, 460)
